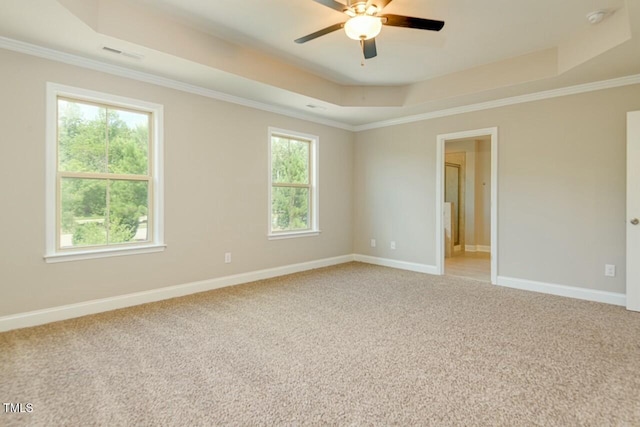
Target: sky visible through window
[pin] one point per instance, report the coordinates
(90, 112)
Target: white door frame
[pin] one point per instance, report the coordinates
(633, 210)
(441, 140)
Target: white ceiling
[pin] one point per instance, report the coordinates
(487, 49)
(475, 33)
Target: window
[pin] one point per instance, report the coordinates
(104, 186)
(293, 187)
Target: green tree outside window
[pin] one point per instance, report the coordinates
(291, 184)
(104, 170)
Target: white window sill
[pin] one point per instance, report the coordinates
(293, 234)
(103, 253)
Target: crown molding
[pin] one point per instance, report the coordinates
(117, 70)
(120, 71)
(520, 99)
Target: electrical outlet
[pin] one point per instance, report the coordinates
(227, 258)
(373, 243)
(610, 270)
(393, 245)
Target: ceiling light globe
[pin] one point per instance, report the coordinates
(363, 27)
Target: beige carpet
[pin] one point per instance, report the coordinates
(348, 345)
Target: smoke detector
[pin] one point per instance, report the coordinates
(597, 16)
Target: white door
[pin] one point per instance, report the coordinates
(633, 211)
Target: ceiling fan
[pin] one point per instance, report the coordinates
(364, 23)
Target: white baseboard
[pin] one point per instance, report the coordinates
(402, 265)
(54, 314)
(564, 291)
(477, 248)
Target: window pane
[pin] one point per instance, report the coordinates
(81, 137)
(83, 212)
(289, 161)
(128, 142)
(128, 208)
(290, 209)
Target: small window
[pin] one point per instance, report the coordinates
(293, 189)
(104, 175)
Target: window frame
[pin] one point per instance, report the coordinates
(155, 242)
(314, 142)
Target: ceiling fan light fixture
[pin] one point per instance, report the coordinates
(363, 27)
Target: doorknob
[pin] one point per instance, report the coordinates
(635, 221)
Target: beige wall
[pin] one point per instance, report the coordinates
(561, 190)
(561, 187)
(215, 198)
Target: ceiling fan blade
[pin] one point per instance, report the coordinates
(409, 22)
(333, 5)
(319, 33)
(369, 48)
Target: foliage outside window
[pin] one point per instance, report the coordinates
(104, 176)
(293, 204)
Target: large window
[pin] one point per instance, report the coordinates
(104, 183)
(293, 169)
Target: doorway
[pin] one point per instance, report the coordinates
(455, 199)
(466, 198)
(633, 211)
